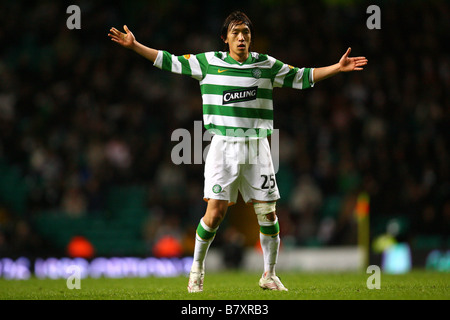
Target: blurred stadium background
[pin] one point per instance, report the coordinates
(85, 135)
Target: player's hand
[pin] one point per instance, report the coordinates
(350, 64)
(126, 40)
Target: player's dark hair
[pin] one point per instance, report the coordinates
(235, 18)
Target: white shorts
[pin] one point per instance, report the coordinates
(240, 164)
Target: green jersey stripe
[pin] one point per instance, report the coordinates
(305, 79)
(289, 78)
(240, 112)
(167, 61)
(185, 67)
(276, 68)
(238, 131)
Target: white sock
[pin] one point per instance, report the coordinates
(270, 245)
(270, 248)
(201, 248)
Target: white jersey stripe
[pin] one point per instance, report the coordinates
(176, 65)
(195, 68)
(237, 81)
(297, 84)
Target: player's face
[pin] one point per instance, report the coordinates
(238, 39)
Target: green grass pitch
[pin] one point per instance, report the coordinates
(237, 285)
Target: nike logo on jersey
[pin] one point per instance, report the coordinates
(221, 71)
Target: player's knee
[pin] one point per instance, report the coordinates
(265, 208)
(214, 219)
(267, 219)
(215, 213)
(271, 216)
(265, 211)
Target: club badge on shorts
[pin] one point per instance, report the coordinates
(216, 188)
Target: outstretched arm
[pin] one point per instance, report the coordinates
(127, 40)
(346, 64)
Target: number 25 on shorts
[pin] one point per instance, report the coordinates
(268, 179)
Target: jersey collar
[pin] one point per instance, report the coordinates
(230, 60)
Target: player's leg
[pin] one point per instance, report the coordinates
(206, 232)
(215, 212)
(220, 190)
(268, 233)
(259, 187)
(269, 236)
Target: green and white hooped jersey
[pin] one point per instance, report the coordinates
(237, 97)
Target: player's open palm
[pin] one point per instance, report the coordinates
(124, 39)
(349, 64)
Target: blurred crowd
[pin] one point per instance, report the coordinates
(79, 114)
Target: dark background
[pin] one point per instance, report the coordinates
(85, 125)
